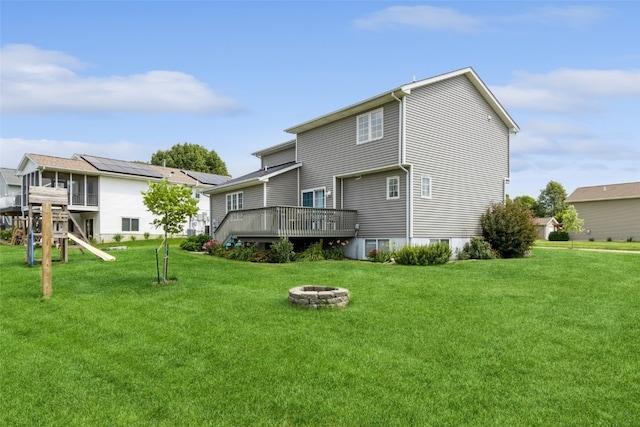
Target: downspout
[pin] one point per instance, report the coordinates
(401, 161)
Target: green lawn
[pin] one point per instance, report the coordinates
(549, 340)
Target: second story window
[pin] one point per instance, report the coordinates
(370, 126)
(393, 187)
(234, 201)
(425, 187)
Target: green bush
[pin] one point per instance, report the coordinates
(213, 247)
(146, 235)
(559, 236)
(262, 255)
(243, 253)
(5, 234)
(334, 250)
(379, 256)
(509, 229)
(282, 251)
(433, 254)
(195, 243)
(314, 252)
(117, 237)
(476, 248)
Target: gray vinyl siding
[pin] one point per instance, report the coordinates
(331, 150)
(279, 158)
(377, 216)
(450, 138)
(282, 189)
(252, 197)
(615, 219)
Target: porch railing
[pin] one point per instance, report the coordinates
(287, 221)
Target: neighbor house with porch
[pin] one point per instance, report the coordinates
(104, 194)
(416, 164)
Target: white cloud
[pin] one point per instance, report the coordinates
(568, 90)
(36, 81)
(424, 17)
(575, 16)
(447, 19)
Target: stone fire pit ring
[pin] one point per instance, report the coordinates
(314, 297)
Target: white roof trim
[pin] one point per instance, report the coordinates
(404, 90)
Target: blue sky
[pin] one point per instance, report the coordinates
(124, 79)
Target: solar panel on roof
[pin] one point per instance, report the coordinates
(122, 166)
(206, 178)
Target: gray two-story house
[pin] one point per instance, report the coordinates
(414, 165)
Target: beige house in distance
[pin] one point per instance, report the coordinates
(609, 211)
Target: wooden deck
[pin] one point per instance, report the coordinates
(287, 221)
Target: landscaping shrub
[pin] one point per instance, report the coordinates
(243, 253)
(559, 236)
(379, 256)
(261, 255)
(313, 252)
(213, 247)
(476, 248)
(282, 251)
(117, 237)
(509, 229)
(5, 234)
(195, 243)
(433, 254)
(335, 250)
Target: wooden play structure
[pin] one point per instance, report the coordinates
(32, 228)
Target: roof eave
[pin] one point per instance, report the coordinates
(350, 110)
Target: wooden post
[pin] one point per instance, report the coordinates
(47, 235)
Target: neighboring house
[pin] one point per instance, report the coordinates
(9, 196)
(414, 165)
(544, 226)
(105, 194)
(609, 211)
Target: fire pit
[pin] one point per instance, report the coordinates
(314, 297)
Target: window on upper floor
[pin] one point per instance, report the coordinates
(234, 201)
(425, 187)
(370, 126)
(393, 187)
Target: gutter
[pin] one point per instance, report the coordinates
(401, 161)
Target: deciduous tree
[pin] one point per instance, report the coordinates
(551, 200)
(192, 157)
(172, 205)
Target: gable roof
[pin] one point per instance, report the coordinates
(545, 221)
(57, 163)
(254, 178)
(630, 190)
(105, 166)
(275, 148)
(402, 91)
(10, 177)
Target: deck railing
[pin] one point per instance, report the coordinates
(287, 221)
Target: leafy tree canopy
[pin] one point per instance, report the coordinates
(551, 200)
(171, 205)
(192, 157)
(528, 202)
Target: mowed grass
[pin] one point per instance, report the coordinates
(549, 340)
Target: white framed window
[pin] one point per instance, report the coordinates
(376, 244)
(130, 224)
(234, 201)
(439, 241)
(370, 126)
(196, 194)
(393, 187)
(425, 187)
(314, 198)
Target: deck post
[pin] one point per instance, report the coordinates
(47, 236)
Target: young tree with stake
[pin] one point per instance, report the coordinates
(172, 205)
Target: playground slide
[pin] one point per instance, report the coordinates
(97, 252)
